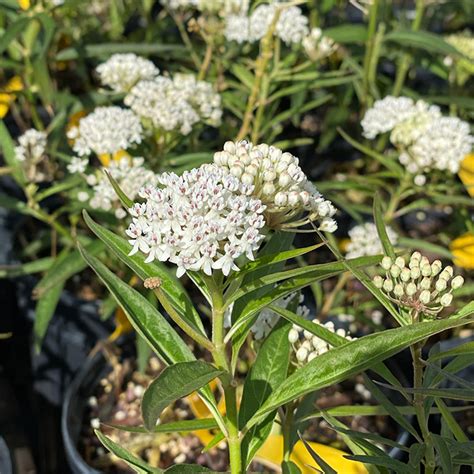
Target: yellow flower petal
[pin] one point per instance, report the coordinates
(462, 249)
(7, 96)
(24, 4)
(466, 173)
(122, 325)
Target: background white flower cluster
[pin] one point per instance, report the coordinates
(425, 138)
(365, 241)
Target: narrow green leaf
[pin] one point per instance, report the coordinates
(176, 381)
(36, 266)
(289, 467)
(347, 33)
(183, 426)
(381, 230)
(444, 454)
(451, 393)
(127, 203)
(268, 371)
(322, 464)
(45, 310)
(8, 150)
(128, 457)
(214, 442)
(351, 358)
(384, 461)
(451, 421)
(187, 469)
(143, 316)
(463, 349)
(14, 30)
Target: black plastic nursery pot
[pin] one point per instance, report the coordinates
(5, 458)
(83, 387)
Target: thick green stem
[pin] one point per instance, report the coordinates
(219, 353)
(418, 405)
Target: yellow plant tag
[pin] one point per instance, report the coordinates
(462, 249)
(466, 173)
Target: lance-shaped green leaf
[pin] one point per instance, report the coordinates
(124, 199)
(176, 381)
(347, 360)
(188, 469)
(128, 457)
(183, 426)
(169, 283)
(381, 229)
(268, 371)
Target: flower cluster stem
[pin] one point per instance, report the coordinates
(228, 385)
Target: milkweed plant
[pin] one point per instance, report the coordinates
(263, 178)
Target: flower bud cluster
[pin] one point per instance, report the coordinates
(107, 130)
(122, 71)
(317, 46)
(278, 181)
(421, 286)
(175, 104)
(307, 346)
(202, 220)
(291, 26)
(464, 64)
(365, 241)
(425, 139)
(130, 175)
(31, 152)
(31, 146)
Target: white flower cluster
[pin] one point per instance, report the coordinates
(202, 220)
(77, 165)
(317, 46)
(130, 175)
(365, 241)
(224, 6)
(425, 139)
(31, 146)
(291, 27)
(106, 131)
(122, 71)
(175, 104)
(307, 346)
(267, 318)
(279, 182)
(424, 287)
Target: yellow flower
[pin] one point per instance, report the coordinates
(7, 95)
(466, 173)
(105, 158)
(462, 249)
(122, 325)
(24, 4)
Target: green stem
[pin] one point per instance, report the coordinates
(396, 198)
(418, 405)
(215, 288)
(286, 431)
(369, 46)
(405, 61)
(186, 39)
(206, 61)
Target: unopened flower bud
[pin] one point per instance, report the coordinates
(400, 262)
(247, 178)
(449, 270)
(284, 180)
(386, 263)
(425, 296)
(269, 175)
(268, 189)
(457, 282)
(398, 290)
(405, 275)
(425, 284)
(411, 289)
(415, 273)
(446, 299)
(293, 336)
(415, 256)
(378, 282)
(312, 355)
(388, 285)
(281, 199)
(395, 271)
(293, 198)
(302, 354)
(426, 270)
(236, 171)
(441, 285)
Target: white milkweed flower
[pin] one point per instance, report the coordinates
(237, 28)
(422, 286)
(179, 4)
(365, 241)
(317, 46)
(175, 104)
(105, 131)
(425, 139)
(122, 71)
(31, 146)
(77, 165)
(279, 182)
(130, 175)
(291, 26)
(306, 346)
(202, 220)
